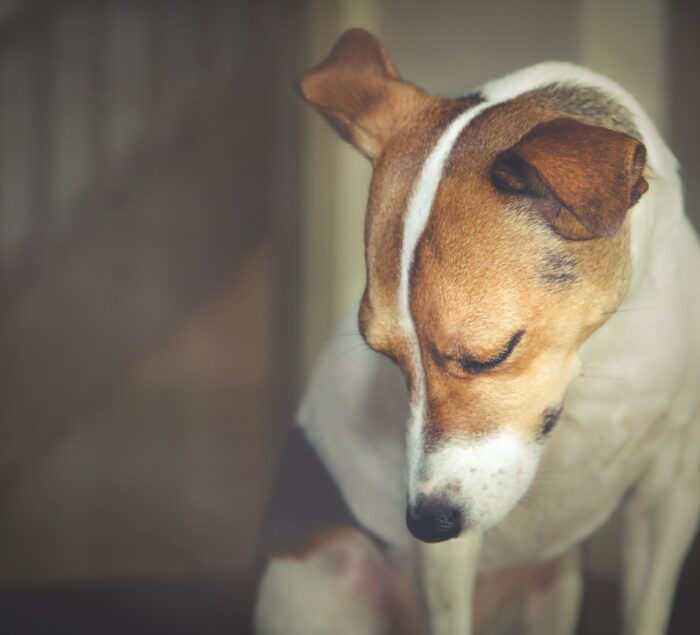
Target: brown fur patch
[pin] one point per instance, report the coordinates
(321, 540)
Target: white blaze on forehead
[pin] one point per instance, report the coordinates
(417, 214)
(421, 203)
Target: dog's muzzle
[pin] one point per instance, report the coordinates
(434, 519)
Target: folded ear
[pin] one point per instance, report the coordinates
(581, 178)
(359, 90)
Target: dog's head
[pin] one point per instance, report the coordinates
(496, 243)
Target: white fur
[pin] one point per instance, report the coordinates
(342, 586)
(286, 607)
(448, 589)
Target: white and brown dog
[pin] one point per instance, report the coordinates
(528, 263)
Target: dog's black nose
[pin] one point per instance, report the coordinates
(434, 519)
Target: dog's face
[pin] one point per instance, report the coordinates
(496, 243)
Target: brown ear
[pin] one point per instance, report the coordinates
(359, 90)
(582, 178)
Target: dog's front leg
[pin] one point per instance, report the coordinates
(447, 574)
(659, 522)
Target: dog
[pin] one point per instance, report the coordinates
(531, 365)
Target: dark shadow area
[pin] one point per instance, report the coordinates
(211, 606)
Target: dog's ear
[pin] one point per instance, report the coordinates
(581, 178)
(359, 90)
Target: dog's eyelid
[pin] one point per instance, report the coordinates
(475, 366)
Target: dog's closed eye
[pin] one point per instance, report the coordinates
(475, 366)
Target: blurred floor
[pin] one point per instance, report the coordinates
(214, 606)
(206, 606)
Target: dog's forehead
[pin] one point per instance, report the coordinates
(480, 259)
(476, 301)
(467, 224)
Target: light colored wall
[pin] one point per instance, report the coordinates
(629, 40)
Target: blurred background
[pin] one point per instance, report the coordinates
(178, 235)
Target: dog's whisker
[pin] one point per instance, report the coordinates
(549, 473)
(607, 371)
(632, 310)
(589, 376)
(360, 346)
(338, 335)
(529, 500)
(546, 478)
